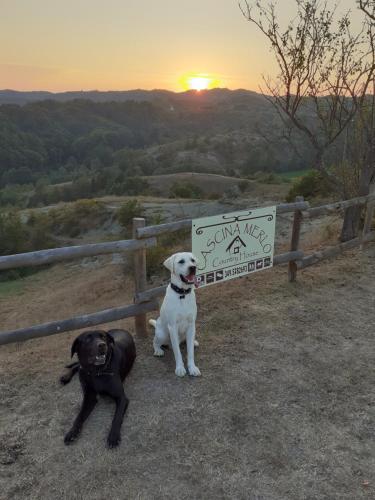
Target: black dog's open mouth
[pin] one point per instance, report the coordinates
(100, 360)
(190, 279)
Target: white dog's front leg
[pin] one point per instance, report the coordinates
(190, 339)
(173, 333)
(159, 339)
(158, 351)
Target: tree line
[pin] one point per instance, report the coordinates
(52, 142)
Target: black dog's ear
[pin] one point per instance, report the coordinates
(74, 348)
(110, 338)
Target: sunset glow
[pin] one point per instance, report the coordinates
(51, 46)
(199, 82)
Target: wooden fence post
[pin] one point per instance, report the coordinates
(296, 230)
(370, 206)
(140, 276)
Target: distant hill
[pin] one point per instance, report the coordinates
(101, 139)
(19, 97)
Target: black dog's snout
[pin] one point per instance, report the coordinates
(102, 347)
(192, 269)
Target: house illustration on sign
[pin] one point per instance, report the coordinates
(235, 246)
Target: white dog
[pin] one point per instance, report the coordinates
(178, 312)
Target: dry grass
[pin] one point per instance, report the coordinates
(212, 184)
(321, 232)
(283, 410)
(63, 291)
(208, 183)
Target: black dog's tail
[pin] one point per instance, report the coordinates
(72, 369)
(72, 365)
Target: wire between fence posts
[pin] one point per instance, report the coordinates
(140, 276)
(294, 244)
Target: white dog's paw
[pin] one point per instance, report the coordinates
(158, 351)
(196, 343)
(180, 371)
(194, 371)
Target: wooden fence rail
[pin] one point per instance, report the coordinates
(337, 207)
(328, 252)
(152, 293)
(84, 321)
(145, 237)
(42, 257)
(170, 227)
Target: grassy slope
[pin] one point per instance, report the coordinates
(209, 183)
(294, 174)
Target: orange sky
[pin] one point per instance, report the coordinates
(125, 44)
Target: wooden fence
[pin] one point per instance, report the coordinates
(146, 237)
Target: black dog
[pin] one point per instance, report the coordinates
(105, 359)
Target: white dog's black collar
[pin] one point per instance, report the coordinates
(181, 291)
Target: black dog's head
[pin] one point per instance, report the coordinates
(93, 348)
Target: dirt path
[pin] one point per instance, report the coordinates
(285, 408)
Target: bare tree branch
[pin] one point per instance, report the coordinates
(322, 67)
(368, 7)
(325, 87)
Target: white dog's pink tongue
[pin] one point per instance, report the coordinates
(193, 279)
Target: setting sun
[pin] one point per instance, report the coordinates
(199, 82)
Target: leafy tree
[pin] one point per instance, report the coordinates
(309, 186)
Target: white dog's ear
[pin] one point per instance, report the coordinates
(169, 263)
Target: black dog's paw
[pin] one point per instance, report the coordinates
(65, 379)
(113, 439)
(71, 436)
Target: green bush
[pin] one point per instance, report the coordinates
(268, 178)
(13, 233)
(128, 211)
(309, 186)
(15, 195)
(39, 229)
(77, 217)
(185, 190)
(156, 219)
(18, 237)
(243, 185)
(167, 244)
(155, 258)
(132, 186)
(214, 196)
